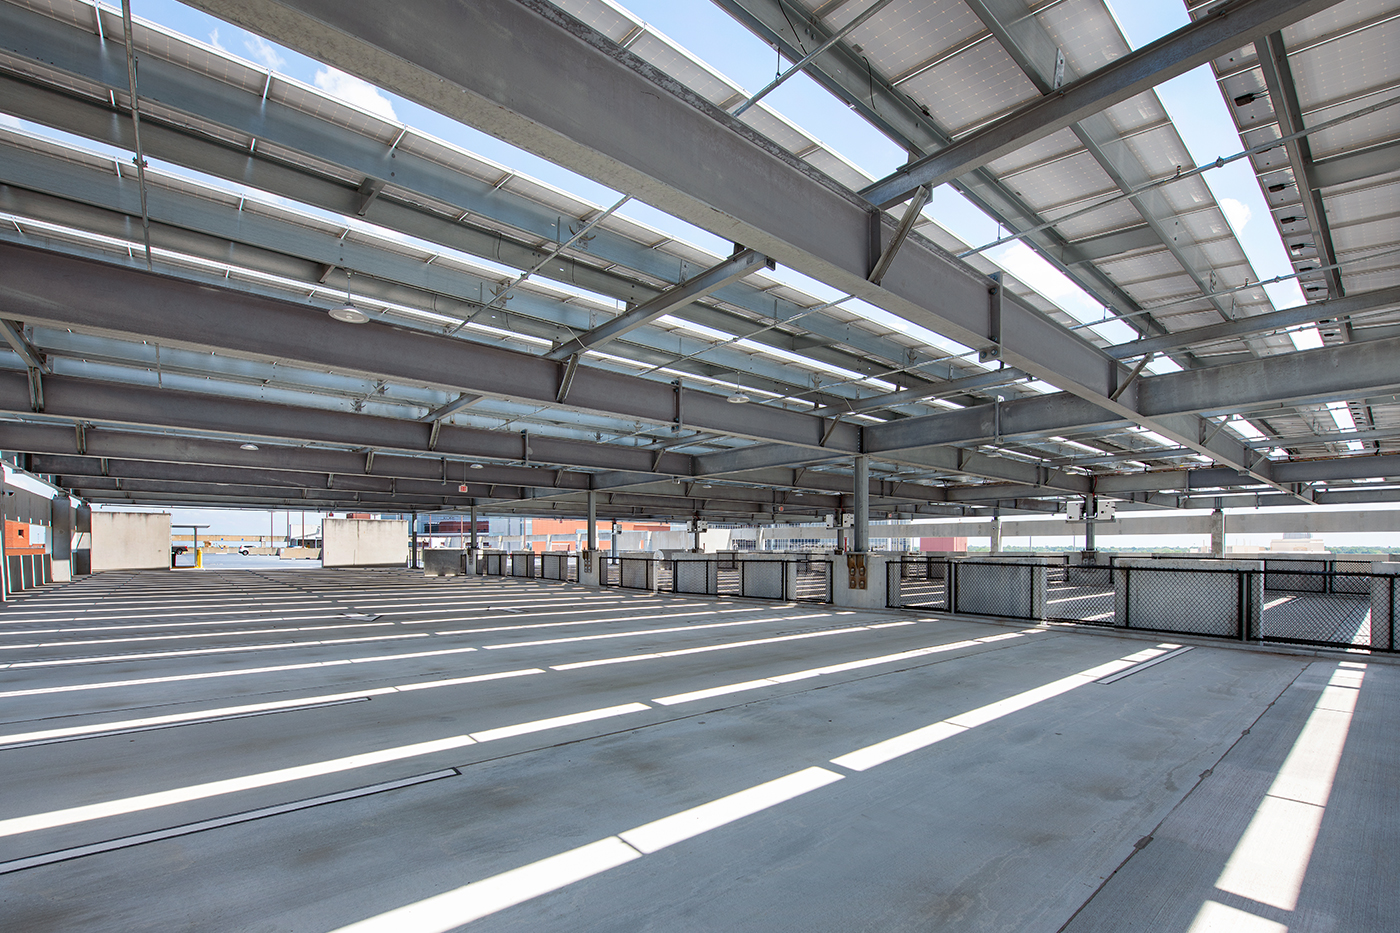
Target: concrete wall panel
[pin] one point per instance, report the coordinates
(130, 541)
(354, 542)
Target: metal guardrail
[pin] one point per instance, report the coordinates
(1284, 603)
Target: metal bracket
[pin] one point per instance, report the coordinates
(525, 444)
(369, 461)
(1132, 376)
(994, 293)
(330, 480)
(369, 189)
(901, 233)
(36, 390)
(566, 381)
(433, 435)
(80, 430)
(855, 571)
(678, 422)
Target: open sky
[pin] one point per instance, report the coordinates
(713, 36)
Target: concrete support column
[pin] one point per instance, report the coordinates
(61, 539)
(862, 504)
(592, 520)
(413, 544)
(996, 534)
(695, 534)
(615, 536)
(1217, 533)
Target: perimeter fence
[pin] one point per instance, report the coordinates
(1334, 604)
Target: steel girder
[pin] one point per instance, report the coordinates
(1033, 50)
(1361, 303)
(848, 76)
(96, 200)
(1226, 27)
(54, 444)
(1278, 78)
(31, 35)
(535, 76)
(104, 403)
(41, 287)
(1310, 376)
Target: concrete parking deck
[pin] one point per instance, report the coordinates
(311, 750)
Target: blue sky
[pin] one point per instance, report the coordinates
(731, 49)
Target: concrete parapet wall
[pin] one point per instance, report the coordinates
(872, 597)
(1013, 587)
(443, 562)
(355, 542)
(130, 541)
(298, 553)
(1189, 596)
(590, 565)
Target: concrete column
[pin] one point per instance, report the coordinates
(996, 534)
(614, 540)
(592, 520)
(1217, 533)
(413, 545)
(61, 539)
(695, 534)
(862, 510)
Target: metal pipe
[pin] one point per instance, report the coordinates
(840, 34)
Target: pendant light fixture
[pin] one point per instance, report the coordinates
(738, 398)
(348, 313)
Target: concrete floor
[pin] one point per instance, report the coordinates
(989, 781)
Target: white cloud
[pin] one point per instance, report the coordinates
(1024, 263)
(214, 41)
(264, 52)
(355, 91)
(1237, 212)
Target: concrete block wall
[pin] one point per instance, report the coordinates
(130, 541)
(443, 562)
(355, 542)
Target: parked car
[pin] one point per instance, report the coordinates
(243, 551)
(177, 549)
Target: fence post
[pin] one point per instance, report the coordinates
(1127, 597)
(1242, 601)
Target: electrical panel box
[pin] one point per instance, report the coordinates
(1074, 511)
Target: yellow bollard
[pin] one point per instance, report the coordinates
(199, 558)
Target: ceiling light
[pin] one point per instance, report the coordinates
(247, 446)
(348, 313)
(738, 398)
(477, 466)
